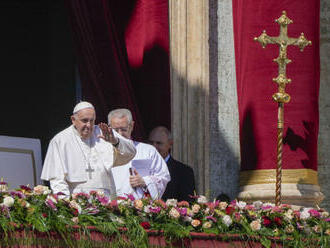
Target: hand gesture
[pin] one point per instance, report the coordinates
(136, 180)
(107, 134)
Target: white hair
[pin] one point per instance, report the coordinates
(120, 113)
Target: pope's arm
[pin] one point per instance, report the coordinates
(124, 150)
(53, 170)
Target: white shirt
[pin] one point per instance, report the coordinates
(75, 165)
(150, 165)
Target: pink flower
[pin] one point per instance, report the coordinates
(314, 213)
(50, 204)
(130, 196)
(182, 211)
(183, 204)
(155, 210)
(211, 218)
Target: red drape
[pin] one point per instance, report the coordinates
(122, 59)
(255, 69)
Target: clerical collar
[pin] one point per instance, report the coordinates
(167, 158)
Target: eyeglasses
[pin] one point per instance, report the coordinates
(122, 129)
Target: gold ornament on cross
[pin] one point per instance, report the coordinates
(281, 97)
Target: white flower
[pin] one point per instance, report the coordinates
(255, 225)
(146, 209)
(201, 199)
(289, 214)
(241, 204)
(187, 218)
(257, 204)
(174, 213)
(100, 193)
(171, 202)
(74, 204)
(8, 201)
(304, 215)
(227, 220)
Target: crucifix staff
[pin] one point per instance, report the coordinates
(281, 97)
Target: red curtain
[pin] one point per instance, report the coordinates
(122, 54)
(255, 69)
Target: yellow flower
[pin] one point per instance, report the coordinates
(138, 204)
(207, 224)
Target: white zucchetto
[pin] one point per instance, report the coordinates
(82, 105)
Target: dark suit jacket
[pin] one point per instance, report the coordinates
(182, 182)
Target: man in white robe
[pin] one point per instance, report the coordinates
(80, 158)
(147, 173)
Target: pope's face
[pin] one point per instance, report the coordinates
(161, 142)
(84, 122)
(122, 126)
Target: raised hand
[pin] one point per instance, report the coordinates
(107, 134)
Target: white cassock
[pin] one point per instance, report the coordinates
(150, 165)
(74, 165)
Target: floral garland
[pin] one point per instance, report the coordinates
(43, 211)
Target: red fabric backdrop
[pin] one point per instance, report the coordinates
(122, 54)
(255, 69)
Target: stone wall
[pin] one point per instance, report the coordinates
(324, 103)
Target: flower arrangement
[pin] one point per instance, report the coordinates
(40, 210)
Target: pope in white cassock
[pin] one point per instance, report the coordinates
(147, 173)
(80, 158)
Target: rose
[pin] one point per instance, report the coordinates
(8, 201)
(41, 190)
(174, 213)
(257, 204)
(145, 225)
(255, 225)
(183, 204)
(195, 208)
(278, 221)
(223, 205)
(195, 223)
(227, 220)
(207, 224)
(266, 221)
(138, 204)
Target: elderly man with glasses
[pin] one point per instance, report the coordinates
(147, 174)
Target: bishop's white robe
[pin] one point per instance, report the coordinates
(150, 165)
(74, 165)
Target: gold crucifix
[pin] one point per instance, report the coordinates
(281, 97)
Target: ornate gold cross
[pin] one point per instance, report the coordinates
(281, 97)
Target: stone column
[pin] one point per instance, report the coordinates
(324, 104)
(189, 58)
(204, 100)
